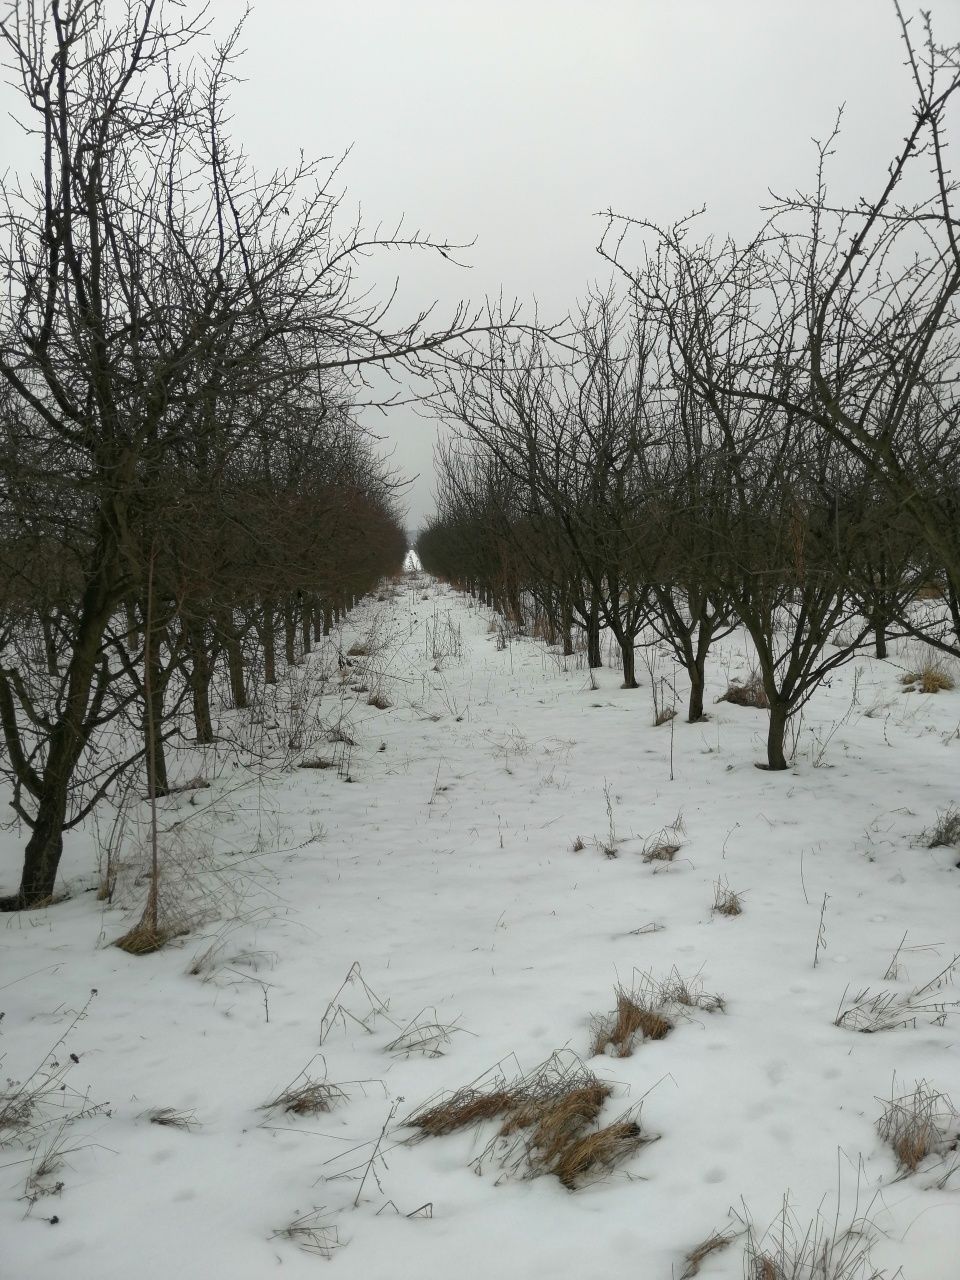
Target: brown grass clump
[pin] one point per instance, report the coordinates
(929, 679)
(306, 1096)
(464, 1108)
(578, 846)
(917, 1125)
(725, 901)
(661, 852)
(634, 1015)
(749, 693)
(317, 762)
(547, 1122)
(555, 1121)
(603, 1149)
(359, 649)
(714, 1242)
(665, 716)
(143, 939)
(380, 701)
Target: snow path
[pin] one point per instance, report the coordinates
(445, 869)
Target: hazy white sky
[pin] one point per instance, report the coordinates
(515, 121)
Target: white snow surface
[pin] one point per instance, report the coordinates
(437, 856)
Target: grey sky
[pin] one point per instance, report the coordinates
(515, 121)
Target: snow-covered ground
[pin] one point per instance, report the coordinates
(441, 902)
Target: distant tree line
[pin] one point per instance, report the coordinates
(184, 486)
(765, 436)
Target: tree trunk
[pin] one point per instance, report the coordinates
(305, 624)
(779, 715)
(41, 858)
(153, 723)
(594, 657)
(629, 656)
(238, 688)
(201, 671)
(880, 635)
(695, 703)
(289, 632)
(327, 617)
(268, 639)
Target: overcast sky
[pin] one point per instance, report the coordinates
(515, 121)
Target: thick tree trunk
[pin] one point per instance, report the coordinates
(41, 858)
(629, 656)
(695, 703)
(201, 672)
(71, 733)
(566, 625)
(238, 687)
(776, 733)
(594, 657)
(880, 636)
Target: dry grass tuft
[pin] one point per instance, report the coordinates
(918, 1125)
(927, 670)
(307, 1094)
(870, 1012)
(359, 649)
(318, 762)
(666, 843)
(749, 693)
(424, 1034)
(306, 1098)
(465, 1108)
(602, 1150)
(556, 1120)
(311, 1234)
(170, 1118)
(725, 901)
(635, 1015)
(380, 701)
(143, 939)
(664, 716)
(649, 1009)
(930, 679)
(578, 846)
(548, 1122)
(660, 851)
(945, 831)
(688, 993)
(714, 1242)
(827, 1248)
